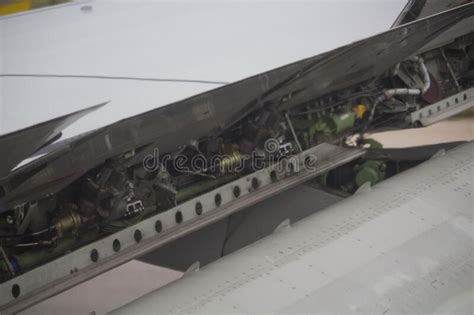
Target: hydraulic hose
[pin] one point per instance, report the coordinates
(387, 94)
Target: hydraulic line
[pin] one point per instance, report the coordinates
(450, 69)
(300, 148)
(8, 237)
(388, 94)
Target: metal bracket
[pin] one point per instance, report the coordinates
(444, 109)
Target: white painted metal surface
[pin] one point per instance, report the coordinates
(445, 108)
(404, 247)
(205, 40)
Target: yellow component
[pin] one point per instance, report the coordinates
(230, 162)
(68, 223)
(359, 110)
(230, 158)
(14, 6)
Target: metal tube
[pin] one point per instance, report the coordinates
(450, 69)
(387, 94)
(293, 131)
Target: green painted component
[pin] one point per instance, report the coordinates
(320, 126)
(302, 124)
(329, 124)
(33, 258)
(310, 133)
(341, 122)
(305, 139)
(37, 256)
(3, 269)
(308, 129)
(370, 171)
(374, 144)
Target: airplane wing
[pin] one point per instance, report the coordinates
(417, 9)
(213, 112)
(93, 202)
(405, 246)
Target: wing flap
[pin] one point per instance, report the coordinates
(21, 144)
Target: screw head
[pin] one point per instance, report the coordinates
(236, 191)
(255, 183)
(16, 290)
(94, 255)
(137, 235)
(273, 176)
(198, 208)
(178, 217)
(158, 226)
(218, 199)
(116, 245)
